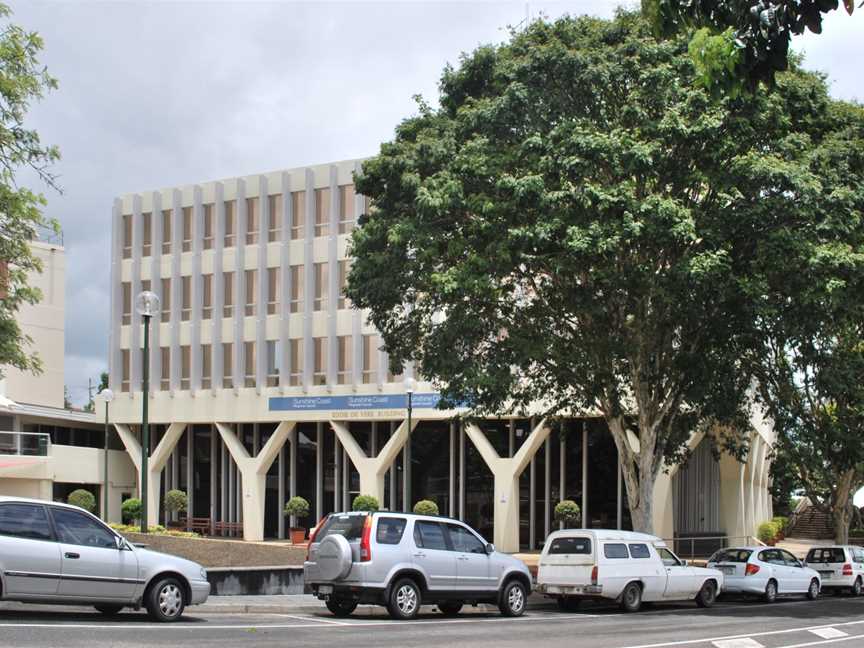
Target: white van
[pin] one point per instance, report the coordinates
(623, 566)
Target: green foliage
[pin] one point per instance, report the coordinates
(23, 80)
(716, 58)
(365, 503)
(568, 512)
(426, 507)
(767, 532)
(298, 507)
(83, 499)
(601, 234)
(156, 529)
(176, 501)
(781, 522)
(131, 509)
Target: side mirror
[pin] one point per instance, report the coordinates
(684, 563)
(121, 543)
(490, 548)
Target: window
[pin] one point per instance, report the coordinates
(206, 296)
(772, 556)
(615, 550)
(272, 363)
(667, 557)
(346, 209)
(390, 530)
(295, 375)
(826, 555)
(147, 227)
(369, 358)
(565, 545)
(343, 376)
(298, 215)
(228, 294)
(349, 526)
(207, 241)
(322, 212)
(429, 535)
(206, 366)
(251, 277)
(166, 231)
(639, 551)
(80, 529)
(791, 560)
(126, 289)
(343, 283)
(253, 220)
(320, 286)
(465, 541)
(124, 361)
(858, 555)
(165, 382)
(127, 236)
(272, 291)
(731, 555)
(166, 300)
(186, 298)
(24, 521)
(249, 362)
(274, 211)
(187, 229)
(227, 364)
(296, 272)
(319, 371)
(230, 234)
(185, 366)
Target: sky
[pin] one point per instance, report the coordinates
(158, 94)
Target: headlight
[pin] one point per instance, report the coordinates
(203, 574)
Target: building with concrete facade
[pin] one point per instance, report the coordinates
(266, 383)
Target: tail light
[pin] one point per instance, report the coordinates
(594, 575)
(751, 569)
(847, 569)
(365, 540)
(312, 536)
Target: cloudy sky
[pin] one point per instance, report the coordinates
(156, 94)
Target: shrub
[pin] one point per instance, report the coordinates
(131, 509)
(176, 501)
(156, 529)
(426, 507)
(83, 499)
(782, 524)
(767, 531)
(365, 503)
(298, 507)
(568, 512)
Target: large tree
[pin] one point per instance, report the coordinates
(22, 80)
(579, 225)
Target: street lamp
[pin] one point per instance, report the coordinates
(146, 305)
(406, 456)
(107, 396)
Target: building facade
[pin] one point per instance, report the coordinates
(266, 383)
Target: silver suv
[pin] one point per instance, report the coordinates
(56, 553)
(403, 561)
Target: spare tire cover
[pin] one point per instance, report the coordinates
(334, 557)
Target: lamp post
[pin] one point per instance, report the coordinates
(406, 455)
(146, 304)
(107, 396)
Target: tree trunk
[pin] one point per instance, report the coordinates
(841, 507)
(640, 474)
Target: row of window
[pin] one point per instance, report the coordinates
(437, 536)
(293, 377)
(30, 522)
(255, 228)
(320, 292)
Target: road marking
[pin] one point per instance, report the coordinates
(829, 633)
(738, 643)
(312, 618)
(822, 642)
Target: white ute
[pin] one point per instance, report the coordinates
(623, 566)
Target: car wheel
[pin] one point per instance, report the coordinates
(855, 590)
(513, 599)
(631, 598)
(813, 590)
(404, 602)
(108, 610)
(341, 607)
(451, 608)
(770, 591)
(165, 601)
(707, 595)
(568, 603)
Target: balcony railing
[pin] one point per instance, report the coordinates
(31, 444)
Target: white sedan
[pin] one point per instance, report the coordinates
(766, 571)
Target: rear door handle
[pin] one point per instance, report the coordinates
(420, 555)
(71, 555)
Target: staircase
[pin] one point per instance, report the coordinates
(811, 523)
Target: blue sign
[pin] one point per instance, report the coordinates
(352, 402)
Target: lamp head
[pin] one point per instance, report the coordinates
(106, 395)
(147, 303)
(409, 385)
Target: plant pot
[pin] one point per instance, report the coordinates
(298, 536)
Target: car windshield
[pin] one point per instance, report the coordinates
(826, 555)
(731, 555)
(349, 526)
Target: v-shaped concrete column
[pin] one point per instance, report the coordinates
(372, 469)
(155, 465)
(253, 474)
(506, 471)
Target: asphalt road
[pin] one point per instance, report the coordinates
(730, 624)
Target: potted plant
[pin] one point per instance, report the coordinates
(175, 502)
(130, 511)
(83, 499)
(568, 513)
(366, 503)
(426, 507)
(298, 508)
(767, 533)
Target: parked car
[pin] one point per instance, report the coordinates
(841, 568)
(622, 566)
(404, 560)
(768, 572)
(57, 553)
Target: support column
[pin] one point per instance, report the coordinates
(462, 471)
(319, 470)
(337, 481)
(451, 484)
(190, 476)
(213, 492)
(562, 470)
(223, 481)
(280, 531)
(586, 520)
(547, 489)
(292, 474)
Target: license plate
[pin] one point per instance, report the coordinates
(826, 575)
(729, 571)
(325, 589)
